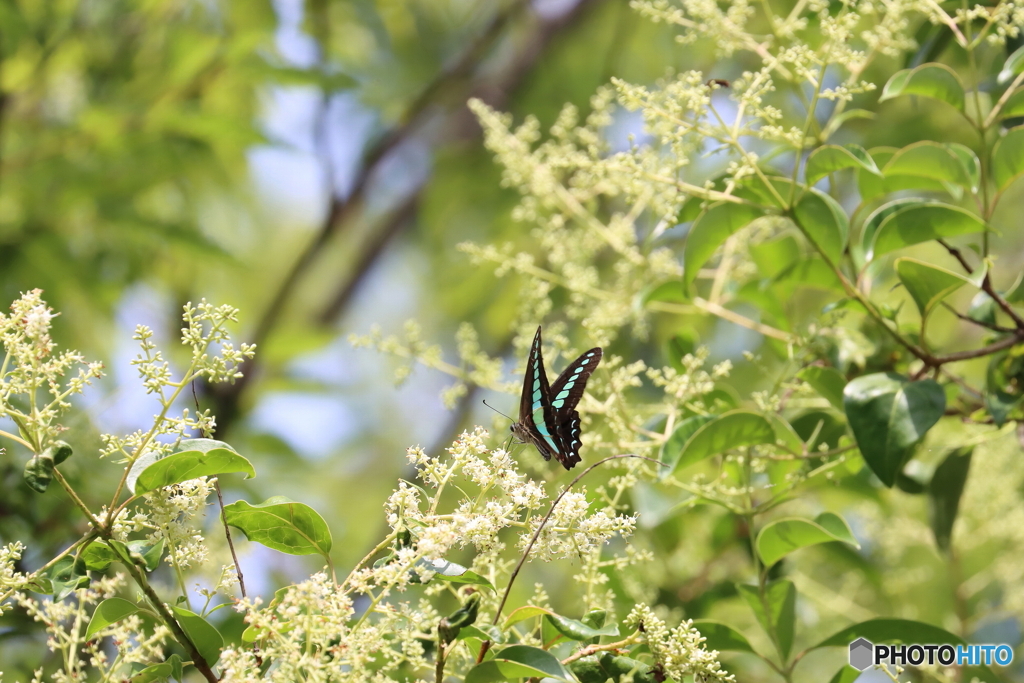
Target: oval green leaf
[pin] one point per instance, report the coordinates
(1008, 158)
(194, 458)
(207, 640)
(518, 661)
(779, 538)
(921, 222)
(110, 611)
(1014, 105)
(97, 557)
(281, 524)
(824, 222)
(944, 491)
(889, 414)
(710, 230)
(933, 80)
(929, 159)
(831, 158)
(577, 630)
(731, 430)
(1013, 65)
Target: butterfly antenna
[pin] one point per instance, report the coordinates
(496, 410)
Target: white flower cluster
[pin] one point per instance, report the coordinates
(31, 365)
(679, 652)
(9, 577)
(307, 631)
(170, 516)
(134, 642)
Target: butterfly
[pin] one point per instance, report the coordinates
(547, 414)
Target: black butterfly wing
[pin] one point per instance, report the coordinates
(536, 397)
(565, 395)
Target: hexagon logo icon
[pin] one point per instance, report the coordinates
(861, 654)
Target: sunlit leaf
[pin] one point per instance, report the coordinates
(922, 222)
(828, 382)
(194, 458)
(1008, 158)
(207, 640)
(518, 661)
(933, 80)
(781, 537)
(110, 611)
(710, 230)
(726, 432)
(831, 158)
(281, 524)
(824, 222)
(775, 610)
(927, 285)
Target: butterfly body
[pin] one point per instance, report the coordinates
(547, 413)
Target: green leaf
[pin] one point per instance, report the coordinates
(710, 230)
(837, 121)
(1008, 158)
(731, 430)
(933, 80)
(776, 255)
(927, 285)
(518, 661)
(110, 611)
(194, 458)
(281, 524)
(889, 414)
(1013, 65)
(1014, 105)
(38, 473)
(149, 552)
(970, 161)
(673, 447)
(824, 222)
(828, 382)
(481, 632)
(205, 637)
(577, 630)
(929, 159)
(455, 573)
(831, 158)
(97, 557)
(1004, 385)
(779, 538)
(775, 612)
(62, 579)
(872, 186)
(944, 491)
(672, 291)
(160, 672)
(606, 666)
(523, 613)
(922, 222)
(721, 637)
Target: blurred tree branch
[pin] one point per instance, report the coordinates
(456, 82)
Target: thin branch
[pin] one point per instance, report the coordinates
(536, 534)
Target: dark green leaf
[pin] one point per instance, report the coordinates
(281, 524)
(889, 414)
(710, 230)
(577, 630)
(731, 430)
(195, 458)
(38, 473)
(110, 611)
(205, 637)
(831, 158)
(944, 493)
(923, 222)
(518, 661)
(775, 611)
(824, 222)
(828, 382)
(721, 637)
(606, 666)
(779, 538)
(933, 80)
